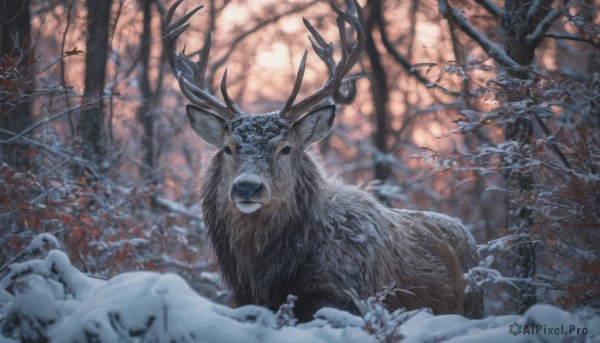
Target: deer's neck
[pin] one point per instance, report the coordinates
(261, 247)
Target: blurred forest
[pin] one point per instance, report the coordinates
(486, 110)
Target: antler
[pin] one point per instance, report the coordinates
(189, 74)
(354, 17)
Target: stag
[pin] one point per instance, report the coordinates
(279, 225)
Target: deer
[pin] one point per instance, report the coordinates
(279, 225)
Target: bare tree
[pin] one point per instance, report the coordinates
(150, 98)
(379, 88)
(91, 127)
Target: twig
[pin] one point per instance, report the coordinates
(223, 59)
(60, 152)
(495, 51)
(176, 207)
(589, 157)
(552, 145)
(543, 26)
(558, 35)
(592, 169)
(13, 260)
(457, 56)
(39, 123)
(408, 66)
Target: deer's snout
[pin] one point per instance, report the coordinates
(249, 192)
(247, 186)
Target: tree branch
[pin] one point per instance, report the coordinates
(559, 35)
(553, 146)
(46, 120)
(543, 26)
(532, 11)
(239, 39)
(491, 7)
(457, 56)
(408, 66)
(492, 49)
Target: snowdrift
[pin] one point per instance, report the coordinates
(50, 300)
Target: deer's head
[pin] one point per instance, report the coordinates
(260, 153)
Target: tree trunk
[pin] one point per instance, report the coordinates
(145, 115)
(518, 23)
(15, 44)
(91, 127)
(379, 89)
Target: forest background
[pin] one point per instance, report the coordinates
(485, 110)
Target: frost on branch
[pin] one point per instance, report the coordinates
(560, 156)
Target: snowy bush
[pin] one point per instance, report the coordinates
(48, 299)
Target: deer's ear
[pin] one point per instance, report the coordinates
(208, 126)
(315, 125)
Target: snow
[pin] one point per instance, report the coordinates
(41, 241)
(337, 318)
(256, 135)
(50, 299)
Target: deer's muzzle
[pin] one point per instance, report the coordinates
(249, 192)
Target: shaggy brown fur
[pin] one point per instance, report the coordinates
(316, 237)
(280, 226)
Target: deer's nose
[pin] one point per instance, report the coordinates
(247, 185)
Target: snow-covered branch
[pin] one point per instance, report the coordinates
(173, 206)
(492, 49)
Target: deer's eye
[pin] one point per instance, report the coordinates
(227, 150)
(286, 150)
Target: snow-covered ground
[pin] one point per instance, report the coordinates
(48, 298)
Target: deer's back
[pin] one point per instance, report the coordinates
(424, 253)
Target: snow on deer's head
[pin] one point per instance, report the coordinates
(260, 152)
